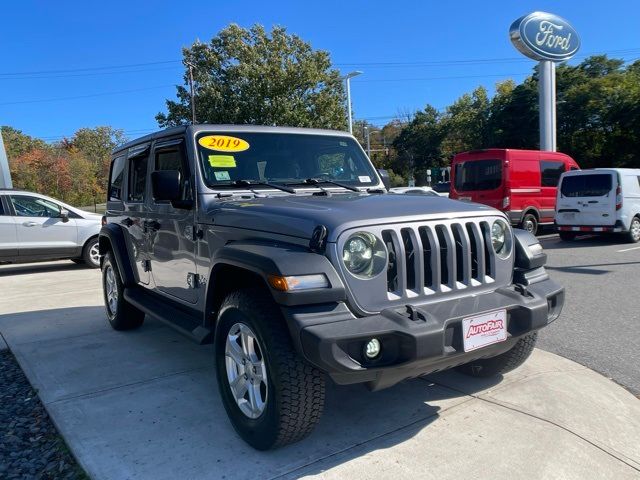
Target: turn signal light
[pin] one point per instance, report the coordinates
(298, 282)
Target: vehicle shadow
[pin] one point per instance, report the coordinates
(582, 241)
(45, 267)
(169, 377)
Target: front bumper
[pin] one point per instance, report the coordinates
(417, 340)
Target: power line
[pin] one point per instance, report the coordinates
(88, 69)
(441, 78)
(20, 102)
(94, 74)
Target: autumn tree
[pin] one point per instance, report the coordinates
(249, 76)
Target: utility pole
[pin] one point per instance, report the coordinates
(193, 95)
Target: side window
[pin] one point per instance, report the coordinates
(1, 207)
(550, 172)
(116, 178)
(173, 158)
(638, 181)
(137, 178)
(26, 206)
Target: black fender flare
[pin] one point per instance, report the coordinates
(265, 259)
(112, 238)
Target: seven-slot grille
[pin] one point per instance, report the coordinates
(438, 257)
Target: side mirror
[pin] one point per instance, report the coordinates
(64, 215)
(384, 176)
(166, 185)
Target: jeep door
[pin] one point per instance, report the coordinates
(41, 230)
(136, 209)
(171, 230)
(8, 233)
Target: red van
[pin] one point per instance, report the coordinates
(521, 183)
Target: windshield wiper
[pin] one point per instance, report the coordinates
(251, 183)
(316, 181)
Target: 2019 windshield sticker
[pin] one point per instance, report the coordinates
(222, 161)
(224, 143)
(222, 175)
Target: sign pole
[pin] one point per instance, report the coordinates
(5, 174)
(547, 101)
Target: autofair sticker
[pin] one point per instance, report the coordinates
(483, 330)
(224, 143)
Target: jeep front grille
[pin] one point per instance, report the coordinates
(439, 257)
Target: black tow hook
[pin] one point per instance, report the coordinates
(522, 290)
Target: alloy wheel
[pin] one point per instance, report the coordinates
(111, 289)
(246, 370)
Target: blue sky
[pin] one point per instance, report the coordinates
(72, 41)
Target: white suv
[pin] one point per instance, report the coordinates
(34, 228)
(599, 200)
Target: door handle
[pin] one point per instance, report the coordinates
(30, 224)
(127, 222)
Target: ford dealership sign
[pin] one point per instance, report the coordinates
(544, 36)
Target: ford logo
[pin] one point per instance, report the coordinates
(544, 36)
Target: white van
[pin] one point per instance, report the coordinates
(599, 200)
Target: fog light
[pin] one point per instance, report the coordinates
(372, 349)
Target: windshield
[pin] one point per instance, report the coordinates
(596, 185)
(478, 175)
(282, 158)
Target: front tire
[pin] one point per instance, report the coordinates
(503, 363)
(120, 313)
(271, 395)
(634, 231)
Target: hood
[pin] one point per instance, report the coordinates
(298, 215)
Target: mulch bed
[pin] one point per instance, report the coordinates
(30, 445)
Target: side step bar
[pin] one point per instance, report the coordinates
(184, 322)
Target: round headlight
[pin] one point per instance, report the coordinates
(364, 255)
(501, 238)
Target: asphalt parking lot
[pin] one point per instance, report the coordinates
(144, 404)
(600, 325)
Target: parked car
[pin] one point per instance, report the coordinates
(442, 188)
(283, 248)
(521, 183)
(35, 227)
(599, 200)
(415, 190)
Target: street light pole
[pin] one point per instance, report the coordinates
(348, 77)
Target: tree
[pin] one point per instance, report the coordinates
(96, 145)
(465, 123)
(250, 77)
(419, 145)
(17, 143)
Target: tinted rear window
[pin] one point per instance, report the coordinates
(597, 185)
(478, 175)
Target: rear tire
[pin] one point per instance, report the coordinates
(91, 253)
(567, 236)
(503, 363)
(283, 402)
(530, 223)
(120, 313)
(634, 231)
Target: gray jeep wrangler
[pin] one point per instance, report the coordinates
(283, 247)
